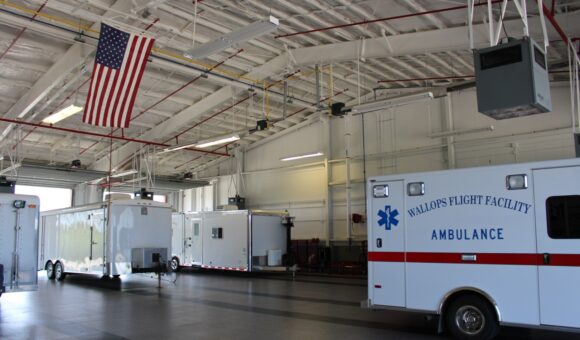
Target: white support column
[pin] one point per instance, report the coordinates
(450, 140)
(347, 142)
(328, 224)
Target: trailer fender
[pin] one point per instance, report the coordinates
(457, 292)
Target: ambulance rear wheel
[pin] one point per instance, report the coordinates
(174, 264)
(49, 267)
(471, 317)
(59, 271)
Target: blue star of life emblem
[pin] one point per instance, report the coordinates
(388, 217)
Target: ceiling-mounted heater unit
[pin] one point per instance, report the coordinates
(512, 80)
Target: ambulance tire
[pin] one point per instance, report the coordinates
(471, 317)
(49, 267)
(59, 273)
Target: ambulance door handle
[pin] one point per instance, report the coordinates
(546, 258)
(379, 243)
(469, 257)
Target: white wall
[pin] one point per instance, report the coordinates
(396, 141)
(197, 199)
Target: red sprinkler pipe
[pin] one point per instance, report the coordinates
(555, 24)
(403, 16)
(101, 135)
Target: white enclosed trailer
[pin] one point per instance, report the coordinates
(109, 238)
(19, 216)
(240, 240)
(480, 247)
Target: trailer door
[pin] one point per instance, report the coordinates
(97, 241)
(386, 243)
(197, 246)
(557, 204)
(192, 240)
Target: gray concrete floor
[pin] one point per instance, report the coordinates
(205, 305)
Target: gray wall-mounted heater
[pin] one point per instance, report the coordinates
(512, 80)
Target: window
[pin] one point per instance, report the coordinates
(50, 198)
(563, 215)
(196, 229)
(217, 233)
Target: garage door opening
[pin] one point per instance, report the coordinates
(50, 198)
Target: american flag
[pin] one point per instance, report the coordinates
(119, 65)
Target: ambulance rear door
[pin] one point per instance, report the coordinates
(386, 282)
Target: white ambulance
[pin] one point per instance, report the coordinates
(481, 247)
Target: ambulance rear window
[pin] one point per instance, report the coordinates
(563, 215)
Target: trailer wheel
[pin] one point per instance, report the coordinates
(59, 271)
(174, 264)
(471, 317)
(49, 270)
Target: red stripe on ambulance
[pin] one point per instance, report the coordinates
(480, 258)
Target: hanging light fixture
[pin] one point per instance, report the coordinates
(217, 141)
(233, 38)
(62, 114)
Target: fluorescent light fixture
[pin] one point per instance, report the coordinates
(124, 173)
(205, 143)
(228, 40)
(291, 158)
(138, 179)
(178, 148)
(221, 140)
(392, 102)
(10, 168)
(62, 114)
